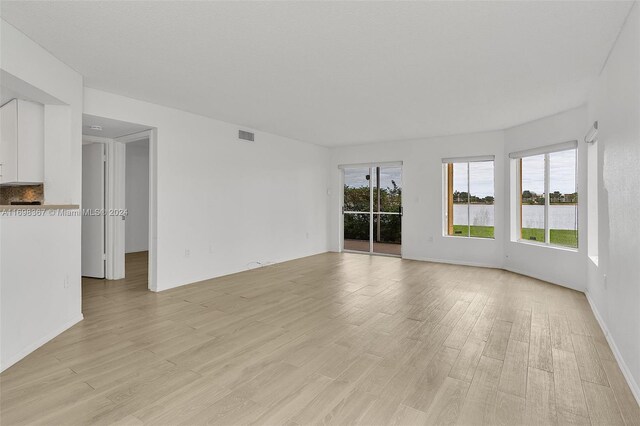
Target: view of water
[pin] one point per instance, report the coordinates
(560, 216)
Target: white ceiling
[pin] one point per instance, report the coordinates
(110, 128)
(336, 72)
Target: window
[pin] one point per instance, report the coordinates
(592, 208)
(548, 195)
(469, 197)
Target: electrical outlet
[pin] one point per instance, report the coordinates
(187, 252)
(604, 278)
(430, 238)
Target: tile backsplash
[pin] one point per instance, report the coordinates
(21, 193)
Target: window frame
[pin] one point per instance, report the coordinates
(546, 151)
(592, 201)
(447, 181)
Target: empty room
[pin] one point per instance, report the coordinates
(319, 212)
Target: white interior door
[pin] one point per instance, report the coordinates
(116, 205)
(93, 224)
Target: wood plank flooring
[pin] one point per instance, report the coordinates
(332, 339)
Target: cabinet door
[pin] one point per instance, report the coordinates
(30, 142)
(9, 142)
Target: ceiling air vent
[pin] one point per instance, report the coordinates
(244, 135)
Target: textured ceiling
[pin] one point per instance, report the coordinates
(336, 73)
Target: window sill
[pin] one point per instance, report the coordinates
(549, 246)
(469, 238)
(594, 260)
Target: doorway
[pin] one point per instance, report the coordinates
(137, 197)
(372, 209)
(119, 201)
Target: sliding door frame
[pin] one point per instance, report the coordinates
(372, 167)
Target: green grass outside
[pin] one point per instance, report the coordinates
(476, 231)
(560, 237)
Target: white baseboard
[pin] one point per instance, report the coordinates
(616, 352)
(453, 262)
(244, 268)
(26, 351)
(541, 278)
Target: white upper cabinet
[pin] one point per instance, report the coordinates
(21, 142)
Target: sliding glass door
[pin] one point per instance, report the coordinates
(357, 209)
(387, 210)
(372, 210)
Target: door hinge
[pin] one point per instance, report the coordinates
(104, 256)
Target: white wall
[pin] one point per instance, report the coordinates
(615, 104)
(137, 196)
(38, 303)
(422, 195)
(230, 203)
(556, 265)
(40, 294)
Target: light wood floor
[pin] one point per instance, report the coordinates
(333, 338)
